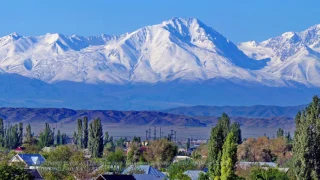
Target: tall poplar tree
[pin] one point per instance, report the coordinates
(29, 136)
(20, 133)
(58, 138)
(46, 137)
(306, 149)
(1, 133)
(85, 132)
(229, 158)
(218, 136)
(80, 134)
(235, 128)
(95, 138)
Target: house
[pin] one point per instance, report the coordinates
(245, 165)
(180, 158)
(19, 149)
(115, 177)
(146, 169)
(129, 177)
(48, 149)
(35, 173)
(30, 160)
(193, 174)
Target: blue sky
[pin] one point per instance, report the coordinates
(237, 20)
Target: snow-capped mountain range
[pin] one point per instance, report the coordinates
(177, 49)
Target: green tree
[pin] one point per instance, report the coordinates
(2, 131)
(216, 141)
(96, 138)
(188, 144)
(177, 169)
(46, 137)
(160, 152)
(20, 134)
(235, 128)
(280, 132)
(13, 173)
(306, 149)
(229, 158)
(214, 150)
(116, 161)
(63, 138)
(75, 138)
(134, 153)
(58, 138)
(29, 136)
(203, 176)
(11, 137)
(267, 174)
(85, 132)
(288, 137)
(80, 134)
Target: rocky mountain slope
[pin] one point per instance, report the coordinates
(257, 111)
(184, 49)
(179, 62)
(54, 116)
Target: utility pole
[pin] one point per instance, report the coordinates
(149, 132)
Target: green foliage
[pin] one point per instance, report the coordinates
(2, 131)
(95, 138)
(229, 158)
(218, 136)
(306, 149)
(182, 177)
(85, 132)
(20, 134)
(161, 152)
(46, 137)
(134, 153)
(29, 136)
(235, 128)
(75, 138)
(13, 173)
(203, 176)
(288, 138)
(188, 144)
(177, 169)
(259, 173)
(60, 154)
(121, 142)
(116, 161)
(80, 134)
(280, 132)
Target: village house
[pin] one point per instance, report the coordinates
(30, 161)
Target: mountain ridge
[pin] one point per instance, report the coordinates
(175, 49)
(59, 117)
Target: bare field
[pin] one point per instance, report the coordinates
(182, 132)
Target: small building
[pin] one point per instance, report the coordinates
(48, 149)
(193, 174)
(146, 169)
(245, 165)
(31, 161)
(115, 177)
(128, 177)
(180, 158)
(19, 149)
